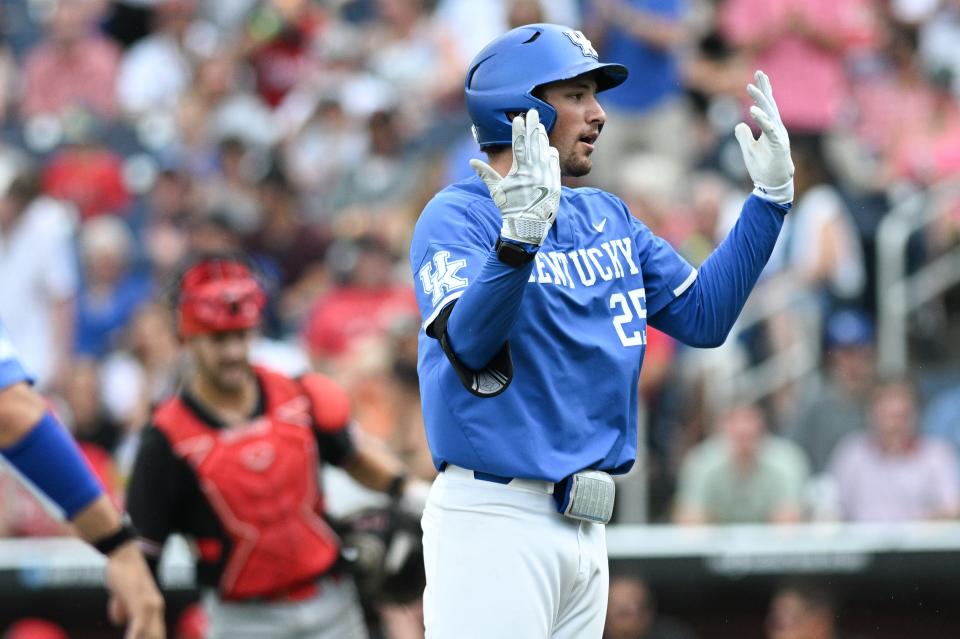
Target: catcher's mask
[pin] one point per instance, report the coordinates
(218, 293)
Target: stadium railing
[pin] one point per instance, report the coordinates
(706, 552)
(900, 292)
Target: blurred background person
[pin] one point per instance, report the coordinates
(363, 304)
(892, 472)
(157, 70)
(802, 46)
(38, 276)
(941, 419)
(649, 112)
(819, 249)
(838, 404)
(110, 290)
(83, 410)
(742, 474)
(802, 611)
(632, 613)
(288, 246)
(85, 171)
(74, 66)
(251, 501)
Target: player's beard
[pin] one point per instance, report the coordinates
(226, 377)
(575, 165)
(230, 377)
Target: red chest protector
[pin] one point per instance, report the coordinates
(261, 480)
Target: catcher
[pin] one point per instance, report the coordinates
(232, 463)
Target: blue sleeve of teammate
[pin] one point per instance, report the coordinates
(49, 458)
(704, 314)
(487, 310)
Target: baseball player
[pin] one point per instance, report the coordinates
(535, 300)
(38, 446)
(232, 462)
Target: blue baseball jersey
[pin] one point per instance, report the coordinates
(577, 343)
(11, 370)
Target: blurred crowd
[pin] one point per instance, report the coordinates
(310, 133)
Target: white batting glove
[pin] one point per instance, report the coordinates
(767, 159)
(529, 195)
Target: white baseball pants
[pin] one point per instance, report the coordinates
(502, 563)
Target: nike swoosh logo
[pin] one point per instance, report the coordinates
(543, 195)
(599, 227)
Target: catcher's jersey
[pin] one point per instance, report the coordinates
(577, 344)
(11, 370)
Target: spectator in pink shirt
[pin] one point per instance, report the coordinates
(929, 152)
(896, 98)
(892, 473)
(801, 46)
(907, 120)
(74, 66)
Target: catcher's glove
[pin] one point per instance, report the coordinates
(383, 549)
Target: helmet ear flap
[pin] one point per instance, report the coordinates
(504, 120)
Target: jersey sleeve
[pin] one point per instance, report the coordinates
(450, 245)
(153, 493)
(706, 306)
(666, 275)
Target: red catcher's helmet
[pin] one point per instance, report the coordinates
(219, 294)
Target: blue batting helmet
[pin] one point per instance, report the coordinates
(503, 76)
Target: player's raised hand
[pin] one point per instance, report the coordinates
(529, 195)
(768, 158)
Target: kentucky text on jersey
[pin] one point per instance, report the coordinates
(553, 267)
(588, 263)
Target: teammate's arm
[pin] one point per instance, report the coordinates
(30, 436)
(134, 597)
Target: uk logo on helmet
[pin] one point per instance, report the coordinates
(583, 42)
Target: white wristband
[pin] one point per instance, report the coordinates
(782, 194)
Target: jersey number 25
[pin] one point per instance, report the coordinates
(638, 300)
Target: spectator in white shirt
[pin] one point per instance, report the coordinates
(157, 70)
(38, 277)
